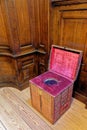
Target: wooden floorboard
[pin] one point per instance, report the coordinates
(16, 113)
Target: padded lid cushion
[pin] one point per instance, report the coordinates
(64, 62)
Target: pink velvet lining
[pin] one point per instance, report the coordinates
(54, 90)
(64, 62)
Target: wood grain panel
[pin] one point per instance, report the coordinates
(82, 87)
(33, 6)
(12, 15)
(35, 94)
(77, 33)
(42, 63)
(69, 30)
(3, 35)
(44, 24)
(32, 19)
(24, 32)
(7, 70)
(23, 22)
(75, 24)
(47, 106)
(26, 69)
(36, 38)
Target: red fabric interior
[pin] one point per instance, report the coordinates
(54, 89)
(64, 62)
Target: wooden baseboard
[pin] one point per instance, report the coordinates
(20, 86)
(81, 98)
(9, 84)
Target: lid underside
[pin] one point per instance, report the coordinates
(64, 62)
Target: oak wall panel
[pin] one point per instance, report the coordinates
(7, 72)
(3, 35)
(13, 23)
(23, 22)
(19, 39)
(69, 29)
(44, 24)
(33, 6)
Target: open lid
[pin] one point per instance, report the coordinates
(65, 61)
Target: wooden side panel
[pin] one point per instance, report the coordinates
(47, 106)
(42, 102)
(35, 97)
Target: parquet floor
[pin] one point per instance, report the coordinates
(16, 113)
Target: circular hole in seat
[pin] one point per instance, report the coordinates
(51, 82)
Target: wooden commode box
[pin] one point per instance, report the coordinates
(51, 92)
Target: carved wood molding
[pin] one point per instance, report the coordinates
(7, 52)
(67, 2)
